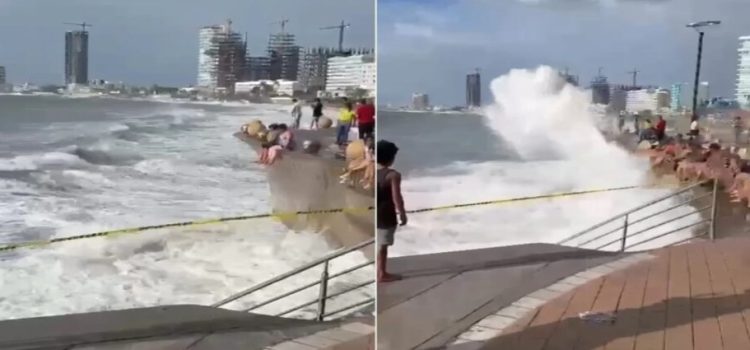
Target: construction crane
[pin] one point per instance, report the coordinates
(341, 28)
(634, 72)
(82, 25)
(283, 23)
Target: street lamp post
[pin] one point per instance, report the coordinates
(700, 27)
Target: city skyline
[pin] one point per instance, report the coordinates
(128, 41)
(432, 48)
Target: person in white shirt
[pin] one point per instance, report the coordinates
(296, 113)
(694, 128)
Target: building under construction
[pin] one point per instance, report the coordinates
(600, 90)
(77, 57)
(222, 59)
(284, 56)
(258, 68)
(313, 66)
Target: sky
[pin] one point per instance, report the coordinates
(430, 46)
(146, 42)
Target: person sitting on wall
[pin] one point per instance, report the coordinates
(286, 138)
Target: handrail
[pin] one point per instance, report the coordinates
(323, 282)
(627, 222)
(615, 217)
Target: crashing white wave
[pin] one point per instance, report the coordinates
(551, 127)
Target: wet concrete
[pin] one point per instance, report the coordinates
(305, 182)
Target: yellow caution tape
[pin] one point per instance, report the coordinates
(40, 243)
(520, 199)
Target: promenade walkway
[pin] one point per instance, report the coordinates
(692, 296)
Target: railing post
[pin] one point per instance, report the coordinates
(323, 295)
(624, 233)
(712, 227)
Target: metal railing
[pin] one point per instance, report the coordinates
(591, 239)
(323, 294)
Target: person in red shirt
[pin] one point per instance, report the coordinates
(661, 128)
(366, 119)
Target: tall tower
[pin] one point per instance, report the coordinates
(473, 90)
(743, 73)
(222, 57)
(77, 57)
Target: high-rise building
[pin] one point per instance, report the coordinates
(284, 56)
(704, 94)
(618, 99)
(313, 66)
(258, 68)
(77, 57)
(420, 101)
(600, 90)
(222, 57)
(654, 100)
(742, 95)
(473, 90)
(2, 75)
(663, 99)
(349, 73)
(677, 99)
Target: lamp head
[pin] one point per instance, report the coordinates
(700, 26)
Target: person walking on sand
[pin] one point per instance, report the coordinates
(366, 119)
(317, 113)
(296, 113)
(390, 206)
(346, 118)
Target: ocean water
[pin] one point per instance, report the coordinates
(539, 136)
(73, 166)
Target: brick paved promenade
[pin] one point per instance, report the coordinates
(693, 296)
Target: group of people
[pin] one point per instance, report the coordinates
(698, 161)
(279, 138)
(363, 117)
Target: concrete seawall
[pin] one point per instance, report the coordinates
(304, 182)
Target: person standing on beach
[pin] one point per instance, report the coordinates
(636, 123)
(694, 128)
(621, 121)
(366, 119)
(390, 206)
(317, 113)
(346, 118)
(661, 128)
(296, 113)
(737, 129)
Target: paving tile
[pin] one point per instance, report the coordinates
(545, 294)
(496, 322)
(292, 346)
(529, 302)
(358, 327)
(479, 333)
(513, 311)
(339, 334)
